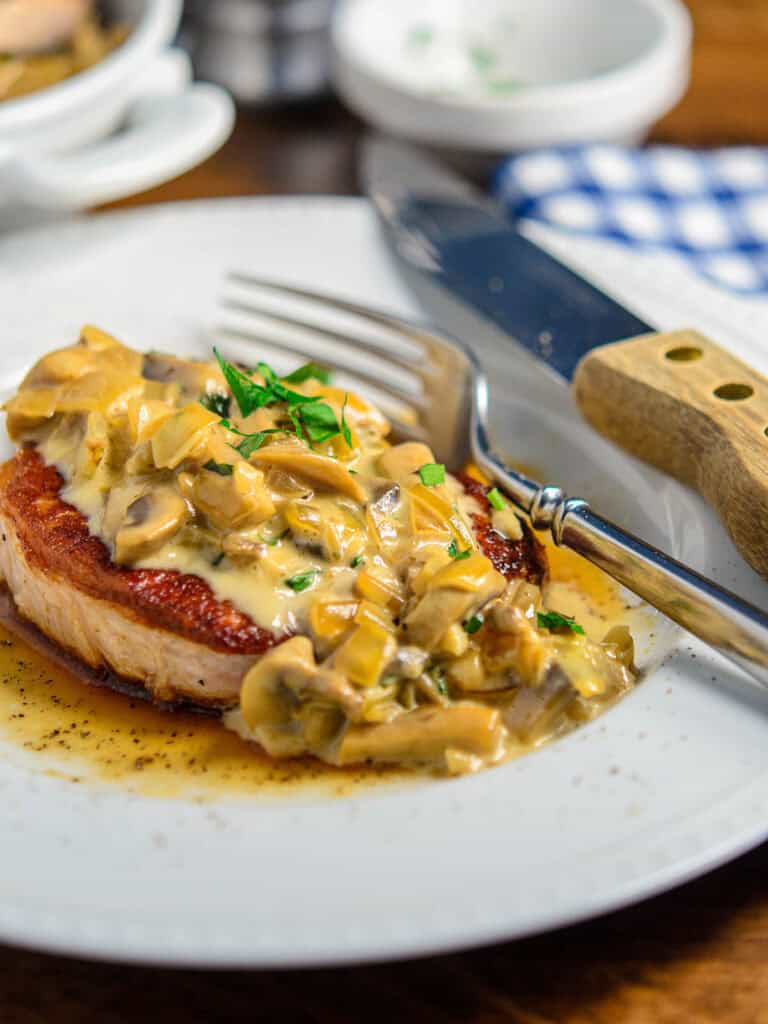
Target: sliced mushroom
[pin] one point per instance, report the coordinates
(401, 461)
(244, 544)
(182, 434)
(120, 497)
(435, 613)
(95, 445)
(79, 378)
(284, 486)
(520, 600)
(101, 389)
(59, 366)
(141, 461)
(385, 497)
(431, 688)
(452, 595)
(618, 640)
(266, 698)
(379, 584)
(408, 663)
(424, 735)
(95, 352)
(365, 653)
(326, 525)
(454, 641)
(195, 378)
(535, 713)
(97, 340)
(283, 691)
(519, 654)
(330, 619)
(343, 536)
(28, 409)
(515, 650)
(432, 508)
(467, 673)
(145, 416)
(233, 501)
(325, 473)
(594, 670)
(151, 520)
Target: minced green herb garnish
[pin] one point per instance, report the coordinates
(309, 371)
(222, 468)
(302, 580)
(472, 625)
(312, 419)
(555, 621)
(432, 474)
(496, 499)
(346, 432)
(456, 554)
(216, 403)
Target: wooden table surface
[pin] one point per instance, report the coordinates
(693, 956)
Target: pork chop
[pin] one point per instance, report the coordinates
(161, 628)
(164, 629)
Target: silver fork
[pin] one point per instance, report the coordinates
(432, 389)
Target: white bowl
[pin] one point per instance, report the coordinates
(130, 122)
(591, 70)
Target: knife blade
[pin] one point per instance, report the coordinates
(676, 400)
(451, 232)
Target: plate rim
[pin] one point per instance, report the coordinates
(50, 935)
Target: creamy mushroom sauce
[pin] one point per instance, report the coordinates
(401, 643)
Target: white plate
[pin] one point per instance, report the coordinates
(669, 783)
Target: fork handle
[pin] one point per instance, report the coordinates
(733, 627)
(689, 408)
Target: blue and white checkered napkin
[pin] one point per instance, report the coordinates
(709, 207)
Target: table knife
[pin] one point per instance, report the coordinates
(674, 399)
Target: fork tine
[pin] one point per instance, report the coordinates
(407, 431)
(403, 328)
(404, 398)
(237, 306)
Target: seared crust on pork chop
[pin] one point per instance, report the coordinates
(162, 628)
(55, 538)
(525, 558)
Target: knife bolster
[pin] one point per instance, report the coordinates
(687, 407)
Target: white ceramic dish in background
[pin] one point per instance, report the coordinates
(591, 70)
(670, 782)
(59, 148)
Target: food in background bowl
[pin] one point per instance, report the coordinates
(256, 544)
(42, 42)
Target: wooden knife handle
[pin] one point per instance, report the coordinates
(681, 403)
